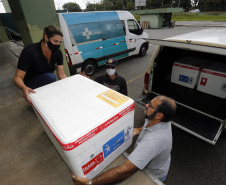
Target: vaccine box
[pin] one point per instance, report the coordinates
(213, 80)
(186, 71)
(89, 124)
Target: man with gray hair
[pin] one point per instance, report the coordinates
(152, 149)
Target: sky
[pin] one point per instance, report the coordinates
(59, 4)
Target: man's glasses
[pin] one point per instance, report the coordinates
(149, 105)
(110, 67)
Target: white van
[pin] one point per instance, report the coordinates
(191, 69)
(90, 38)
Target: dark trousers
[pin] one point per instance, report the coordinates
(41, 80)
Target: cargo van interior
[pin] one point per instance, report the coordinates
(191, 101)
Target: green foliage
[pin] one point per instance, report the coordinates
(72, 7)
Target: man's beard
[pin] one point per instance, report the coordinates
(152, 116)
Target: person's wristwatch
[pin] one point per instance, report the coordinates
(90, 182)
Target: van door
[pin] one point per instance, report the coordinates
(113, 36)
(198, 113)
(132, 37)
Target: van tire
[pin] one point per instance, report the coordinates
(89, 67)
(143, 50)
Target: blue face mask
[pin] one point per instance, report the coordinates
(52, 46)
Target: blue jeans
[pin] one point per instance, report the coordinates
(163, 178)
(41, 80)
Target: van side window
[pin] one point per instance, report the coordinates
(112, 29)
(124, 27)
(133, 26)
(85, 32)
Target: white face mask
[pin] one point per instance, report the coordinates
(110, 72)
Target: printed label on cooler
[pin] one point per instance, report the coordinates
(223, 87)
(128, 132)
(92, 162)
(113, 98)
(186, 79)
(113, 144)
(203, 81)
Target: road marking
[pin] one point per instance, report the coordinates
(135, 78)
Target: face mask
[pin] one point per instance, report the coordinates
(110, 72)
(52, 46)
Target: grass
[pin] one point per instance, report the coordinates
(194, 17)
(197, 17)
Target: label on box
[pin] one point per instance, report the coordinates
(186, 79)
(223, 87)
(113, 144)
(113, 98)
(92, 162)
(203, 81)
(128, 133)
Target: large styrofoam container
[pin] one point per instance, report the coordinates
(213, 80)
(186, 71)
(89, 124)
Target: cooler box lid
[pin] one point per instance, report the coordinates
(76, 105)
(216, 66)
(195, 63)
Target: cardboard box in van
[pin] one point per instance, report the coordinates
(213, 80)
(186, 71)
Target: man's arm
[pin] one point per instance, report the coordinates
(111, 176)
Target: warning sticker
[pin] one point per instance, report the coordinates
(93, 163)
(113, 98)
(203, 81)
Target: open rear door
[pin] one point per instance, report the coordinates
(198, 113)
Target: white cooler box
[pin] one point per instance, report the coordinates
(213, 80)
(186, 71)
(89, 124)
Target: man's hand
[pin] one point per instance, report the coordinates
(26, 91)
(83, 74)
(80, 180)
(137, 131)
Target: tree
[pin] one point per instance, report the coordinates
(130, 5)
(72, 7)
(118, 5)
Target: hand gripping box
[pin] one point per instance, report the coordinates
(186, 71)
(213, 80)
(89, 124)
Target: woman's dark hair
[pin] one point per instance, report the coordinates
(50, 31)
(168, 110)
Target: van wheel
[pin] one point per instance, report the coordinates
(89, 67)
(143, 50)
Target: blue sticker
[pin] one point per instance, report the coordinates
(186, 79)
(113, 144)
